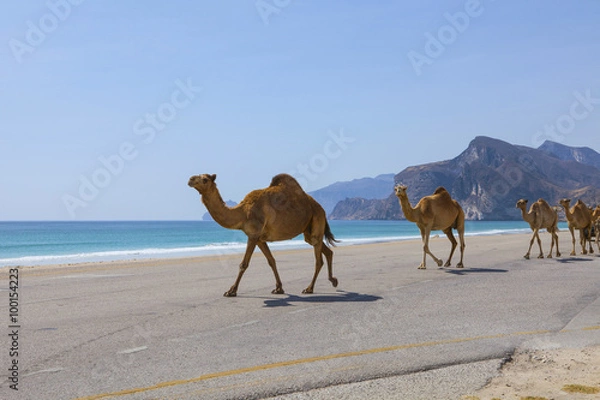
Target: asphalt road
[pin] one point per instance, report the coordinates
(162, 330)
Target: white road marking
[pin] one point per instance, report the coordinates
(44, 371)
(134, 350)
(91, 276)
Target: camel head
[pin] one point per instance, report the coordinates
(522, 204)
(596, 214)
(565, 203)
(400, 190)
(202, 182)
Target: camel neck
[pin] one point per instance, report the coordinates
(525, 214)
(230, 218)
(568, 213)
(407, 209)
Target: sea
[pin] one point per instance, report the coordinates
(33, 243)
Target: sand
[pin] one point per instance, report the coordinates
(547, 374)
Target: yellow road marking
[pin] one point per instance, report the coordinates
(308, 360)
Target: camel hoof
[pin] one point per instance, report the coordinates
(308, 290)
(573, 253)
(278, 291)
(460, 265)
(334, 282)
(526, 256)
(541, 256)
(549, 256)
(230, 293)
(558, 254)
(421, 267)
(439, 263)
(447, 264)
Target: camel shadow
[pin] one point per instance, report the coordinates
(572, 259)
(467, 271)
(339, 297)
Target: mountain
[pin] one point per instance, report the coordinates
(487, 179)
(367, 188)
(584, 155)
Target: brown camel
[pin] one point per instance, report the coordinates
(596, 225)
(279, 212)
(540, 216)
(436, 212)
(578, 217)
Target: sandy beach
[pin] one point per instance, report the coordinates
(80, 318)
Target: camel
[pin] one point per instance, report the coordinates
(540, 216)
(279, 212)
(436, 212)
(596, 225)
(578, 217)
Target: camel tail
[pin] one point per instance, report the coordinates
(329, 235)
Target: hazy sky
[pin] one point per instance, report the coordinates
(107, 108)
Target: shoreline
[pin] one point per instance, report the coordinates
(236, 255)
(234, 243)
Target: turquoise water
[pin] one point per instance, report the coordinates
(38, 243)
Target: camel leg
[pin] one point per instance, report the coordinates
(526, 256)
(423, 263)
(250, 246)
(328, 253)
(552, 233)
(448, 232)
(461, 238)
(582, 241)
(573, 240)
(539, 241)
(318, 247)
(271, 260)
(427, 251)
(556, 241)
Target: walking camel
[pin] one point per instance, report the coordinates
(436, 212)
(279, 212)
(540, 216)
(596, 225)
(578, 217)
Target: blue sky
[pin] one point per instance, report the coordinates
(109, 107)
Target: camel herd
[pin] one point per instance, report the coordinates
(579, 217)
(284, 210)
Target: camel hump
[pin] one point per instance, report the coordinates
(285, 180)
(442, 193)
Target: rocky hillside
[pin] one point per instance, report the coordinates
(487, 179)
(584, 155)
